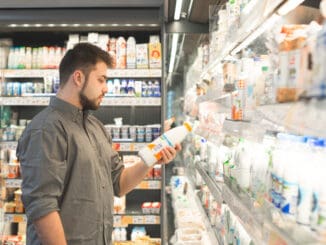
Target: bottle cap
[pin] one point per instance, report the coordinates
(188, 126)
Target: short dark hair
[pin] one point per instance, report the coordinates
(83, 56)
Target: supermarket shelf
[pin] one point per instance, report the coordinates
(13, 183)
(248, 216)
(9, 144)
(222, 192)
(213, 236)
(131, 101)
(254, 17)
(125, 146)
(107, 101)
(137, 219)
(112, 73)
(15, 218)
(214, 187)
(149, 185)
(135, 73)
(30, 73)
(144, 185)
(302, 117)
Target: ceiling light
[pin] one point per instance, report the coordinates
(102, 25)
(38, 25)
(173, 51)
(76, 25)
(89, 25)
(190, 7)
(51, 25)
(288, 6)
(177, 11)
(13, 25)
(63, 25)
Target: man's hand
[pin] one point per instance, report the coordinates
(169, 153)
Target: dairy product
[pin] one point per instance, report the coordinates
(152, 152)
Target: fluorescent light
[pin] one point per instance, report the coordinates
(288, 6)
(173, 51)
(190, 7)
(13, 25)
(177, 11)
(51, 25)
(26, 25)
(267, 24)
(63, 25)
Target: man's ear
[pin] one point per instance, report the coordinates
(79, 78)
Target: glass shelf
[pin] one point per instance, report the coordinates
(264, 223)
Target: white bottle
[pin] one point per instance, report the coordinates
(131, 53)
(151, 153)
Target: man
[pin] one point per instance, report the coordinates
(70, 172)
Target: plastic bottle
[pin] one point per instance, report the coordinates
(306, 183)
(152, 152)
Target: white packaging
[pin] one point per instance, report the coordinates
(151, 153)
(142, 56)
(92, 37)
(131, 53)
(121, 53)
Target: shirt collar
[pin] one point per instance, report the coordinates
(68, 110)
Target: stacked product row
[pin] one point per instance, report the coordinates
(126, 54)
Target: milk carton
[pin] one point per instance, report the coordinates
(142, 56)
(131, 53)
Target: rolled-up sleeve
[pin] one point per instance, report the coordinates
(116, 170)
(44, 168)
(116, 165)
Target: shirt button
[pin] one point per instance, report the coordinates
(103, 186)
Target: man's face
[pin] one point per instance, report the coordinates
(94, 88)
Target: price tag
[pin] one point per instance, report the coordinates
(150, 219)
(154, 184)
(13, 183)
(116, 146)
(7, 218)
(126, 220)
(143, 185)
(117, 220)
(138, 219)
(132, 146)
(18, 218)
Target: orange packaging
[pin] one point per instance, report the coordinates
(121, 52)
(155, 57)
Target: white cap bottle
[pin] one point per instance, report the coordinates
(151, 153)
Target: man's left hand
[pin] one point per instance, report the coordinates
(169, 153)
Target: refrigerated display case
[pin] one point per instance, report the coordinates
(258, 138)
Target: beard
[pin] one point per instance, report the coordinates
(87, 103)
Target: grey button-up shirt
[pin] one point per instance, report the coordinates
(69, 166)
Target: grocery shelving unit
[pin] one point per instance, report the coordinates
(263, 222)
(134, 110)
